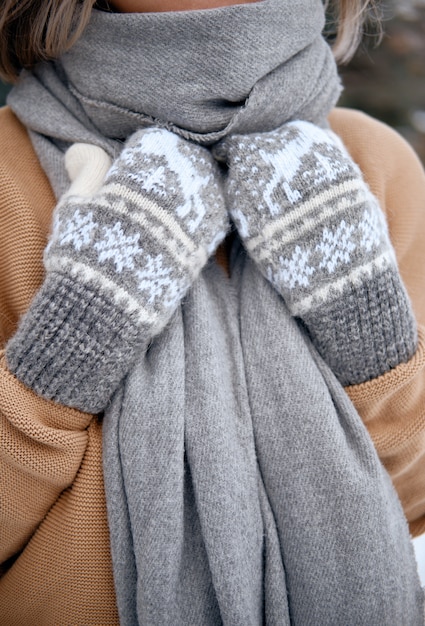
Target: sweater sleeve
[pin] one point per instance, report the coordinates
(42, 446)
(392, 406)
(41, 443)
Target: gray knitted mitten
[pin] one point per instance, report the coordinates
(118, 263)
(319, 236)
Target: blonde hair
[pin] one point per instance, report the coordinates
(37, 30)
(348, 18)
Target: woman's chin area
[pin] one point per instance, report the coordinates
(159, 6)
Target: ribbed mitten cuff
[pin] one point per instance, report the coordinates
(74, 345)
(368, 330)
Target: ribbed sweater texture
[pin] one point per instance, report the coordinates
(54, 536)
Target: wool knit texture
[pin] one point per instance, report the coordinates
(252, 91)
(65, 567)
(202, 74)
(212, 464)
(295, 180)
(221, 509)
(118, 264)
(319, 236)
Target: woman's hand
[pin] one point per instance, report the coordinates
(318, 235)
(119, 261)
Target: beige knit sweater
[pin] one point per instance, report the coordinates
(54, 543)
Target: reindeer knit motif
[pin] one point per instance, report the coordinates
(156, 195)
(316, 231)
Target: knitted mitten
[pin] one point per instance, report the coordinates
(318, 235)
(118, 263)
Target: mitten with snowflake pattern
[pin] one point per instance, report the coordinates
(119, 261)
(317, 233)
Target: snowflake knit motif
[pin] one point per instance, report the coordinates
(371, 226)
(78, 230)
(154, 278)
(293, 271)
(336, 246)
(118, 247)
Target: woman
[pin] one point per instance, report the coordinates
(241, 486)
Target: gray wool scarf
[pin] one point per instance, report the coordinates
(220, 68)
(241, 485)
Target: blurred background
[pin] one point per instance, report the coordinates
(388, 81)
(3, 92)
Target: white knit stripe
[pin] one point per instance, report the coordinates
(174, 248)
(271, 230)
(90, 275)
(265, 252)
(147, 205)
(355, 277)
